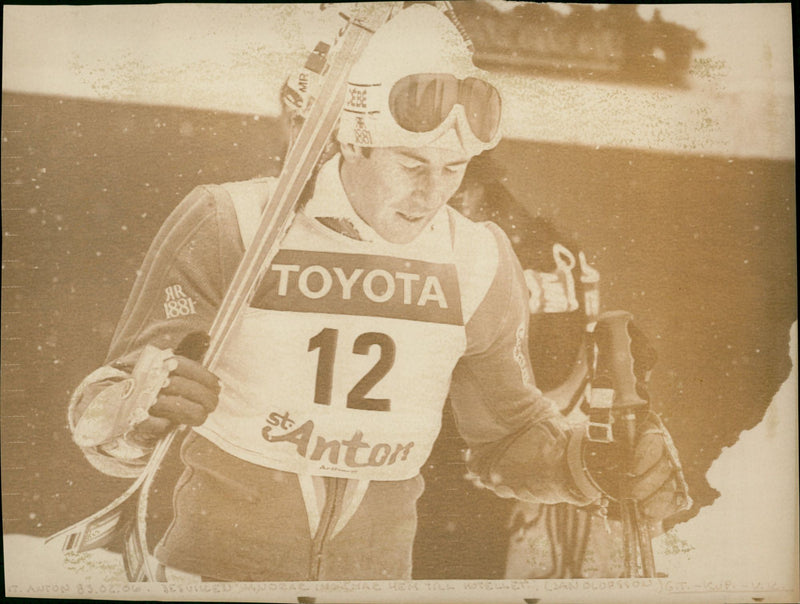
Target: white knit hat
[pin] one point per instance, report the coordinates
(418, 40)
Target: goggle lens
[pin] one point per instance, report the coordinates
(421, 102)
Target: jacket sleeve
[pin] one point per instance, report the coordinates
(177, 291)
(519, 444)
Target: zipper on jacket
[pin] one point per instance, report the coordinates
(327, 521)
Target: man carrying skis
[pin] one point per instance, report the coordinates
(308, 438)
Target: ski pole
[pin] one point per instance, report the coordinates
(626, 404)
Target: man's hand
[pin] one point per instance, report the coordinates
(658, 483)
(189, 394)
(654, 477)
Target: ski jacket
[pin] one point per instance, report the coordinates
(333, 383)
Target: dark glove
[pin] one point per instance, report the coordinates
(654, 477)
(189, 394)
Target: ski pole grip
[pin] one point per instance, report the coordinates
(615, 362)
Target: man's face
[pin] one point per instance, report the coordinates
(398, 190)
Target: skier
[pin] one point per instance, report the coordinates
(307, 441)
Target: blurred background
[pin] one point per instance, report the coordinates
(661, 138)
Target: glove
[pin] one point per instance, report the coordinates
(189, 394)
(186, 397)
(654, 477)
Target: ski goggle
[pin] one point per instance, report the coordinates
(421, 103)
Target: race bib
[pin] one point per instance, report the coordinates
(343, 367)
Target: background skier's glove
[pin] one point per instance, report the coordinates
(654, 478)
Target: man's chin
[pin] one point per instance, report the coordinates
(405, 233)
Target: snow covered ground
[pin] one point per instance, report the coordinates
(29, 560)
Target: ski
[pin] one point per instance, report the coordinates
(103, 526)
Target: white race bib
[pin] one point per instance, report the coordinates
(343, 367)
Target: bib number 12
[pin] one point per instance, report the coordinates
(325, 341)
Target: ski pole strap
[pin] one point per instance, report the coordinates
(577, 467)
(600, 415)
